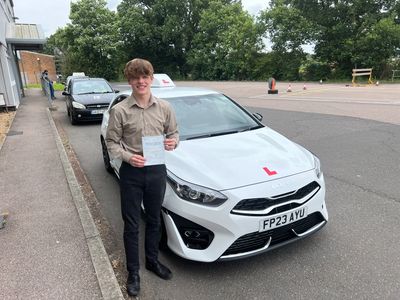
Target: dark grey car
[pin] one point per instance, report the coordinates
(87, 99)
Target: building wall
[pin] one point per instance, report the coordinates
(7, 78)
(32, 64)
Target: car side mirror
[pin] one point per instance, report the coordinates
(116, 91)
(258, 116)
(66, 93)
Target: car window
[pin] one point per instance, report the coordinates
(213, 114)
(69, 86)
(81, 87)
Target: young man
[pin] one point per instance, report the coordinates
(139, 116)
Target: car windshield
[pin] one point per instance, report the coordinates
(81, 87)
(210, 115)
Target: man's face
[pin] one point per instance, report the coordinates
(141, 84)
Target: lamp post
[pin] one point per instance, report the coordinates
(42, 82)
(40, 68)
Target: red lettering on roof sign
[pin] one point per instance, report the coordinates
(269, 172)
(165, 81)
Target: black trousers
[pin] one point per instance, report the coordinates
(145, 184)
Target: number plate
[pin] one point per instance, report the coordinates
(283, 219)
(98, 111)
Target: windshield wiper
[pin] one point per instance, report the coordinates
(212, 134)
(87, 93)
(252, 128)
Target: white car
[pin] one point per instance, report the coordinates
(236, 188)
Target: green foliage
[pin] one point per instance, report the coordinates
(264, 66)
(57, 86)
(160, 31)
(279, 65)
(287, 27)
(314, 70)
(225, 45)
(346, 34)
(218, 40)
(90, 42)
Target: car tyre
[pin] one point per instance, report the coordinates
(72, 119)
(106, 157)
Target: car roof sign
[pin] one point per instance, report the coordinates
(162, 80)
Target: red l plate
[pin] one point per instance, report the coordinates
(270, 173)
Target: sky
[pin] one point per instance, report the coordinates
(52, 14)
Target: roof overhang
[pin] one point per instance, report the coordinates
(25, 36)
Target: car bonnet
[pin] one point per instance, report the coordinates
(235, 160)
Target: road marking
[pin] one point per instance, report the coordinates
(327, 100)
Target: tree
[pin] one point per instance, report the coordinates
(226, 43)
(161, 31)
(287, 27)
(51, 48)
(90, 42)
(346, 34)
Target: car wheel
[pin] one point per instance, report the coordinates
(72, 118)
(106, 157)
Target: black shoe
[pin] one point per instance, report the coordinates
(133, 284)
(159, 269)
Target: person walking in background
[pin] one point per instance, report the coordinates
(43, 83)
(45, 76)
(131, 121)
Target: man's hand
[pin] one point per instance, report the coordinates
(137, 161)
(169, 144)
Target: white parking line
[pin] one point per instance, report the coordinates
(328, 100)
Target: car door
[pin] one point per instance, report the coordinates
(68, 98)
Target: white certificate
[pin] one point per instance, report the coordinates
(153, 150)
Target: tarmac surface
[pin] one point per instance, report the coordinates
(50, 247)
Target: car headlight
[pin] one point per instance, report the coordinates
(317, 167)
(78, 105)
(195, 193)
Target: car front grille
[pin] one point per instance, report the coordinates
(260, 204)
(97, 106)
(257, 240)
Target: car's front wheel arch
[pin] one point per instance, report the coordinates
(106, 157)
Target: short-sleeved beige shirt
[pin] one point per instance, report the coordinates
(129, 122)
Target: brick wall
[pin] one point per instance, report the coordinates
(32, 64)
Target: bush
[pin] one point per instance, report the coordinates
(314, 70)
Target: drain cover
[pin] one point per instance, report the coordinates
(13, 132)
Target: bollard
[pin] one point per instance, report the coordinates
(271, 86)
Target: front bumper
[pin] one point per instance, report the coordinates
(95, 114)
(237, 236)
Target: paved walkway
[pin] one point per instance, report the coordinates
(49, 248)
